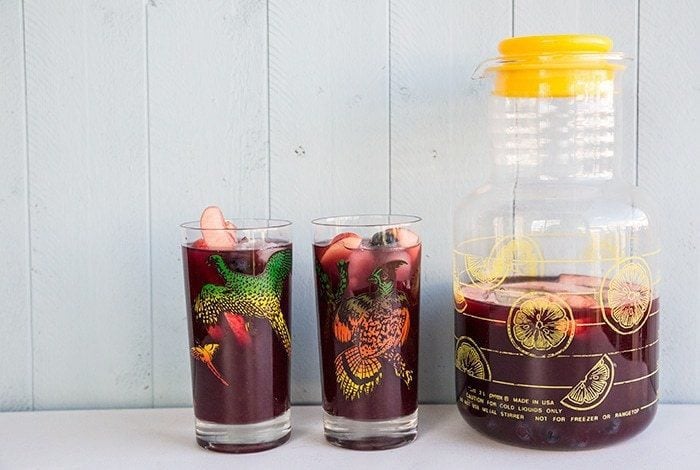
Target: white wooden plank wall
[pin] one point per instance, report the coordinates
(15, 313)
(87, 148)
(139, 113)
(669, 168)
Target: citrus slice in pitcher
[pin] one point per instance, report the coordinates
(460, 300)
(628, 296)
(594, 388)
(471, 360)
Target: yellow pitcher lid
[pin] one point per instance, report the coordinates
(554, 66)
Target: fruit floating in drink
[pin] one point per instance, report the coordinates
(539, 361)
(368, 287)
(237, 285)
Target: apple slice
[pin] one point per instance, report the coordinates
(216, 332)
(340, 247)
(580, 301)
(403, 272)
(361, 263)
(238, 327)
(217, 231)
(545, 286)
(200, 244)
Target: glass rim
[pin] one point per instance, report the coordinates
(243, 223)
(352, 220)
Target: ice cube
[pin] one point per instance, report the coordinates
(472, 292)
(509, 293)
(266, 249)
(406, 238)
(579, 280)
(250, 244)
(544, 286)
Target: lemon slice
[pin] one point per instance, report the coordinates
(510, 256)
(594, 388)
(628, 295)
(471, 360)
(460, 300)
(541, 324)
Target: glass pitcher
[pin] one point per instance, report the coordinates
(555, 257)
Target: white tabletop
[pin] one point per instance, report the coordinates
(164, 438)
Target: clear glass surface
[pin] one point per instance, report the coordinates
(556, 282)
(368, 296)
(238, 287)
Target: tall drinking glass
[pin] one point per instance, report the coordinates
(238, 299)
(368, 296)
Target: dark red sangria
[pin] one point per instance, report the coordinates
(540, 363)
(368, 295)
(237, 285)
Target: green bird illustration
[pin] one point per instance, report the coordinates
(248, 295)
